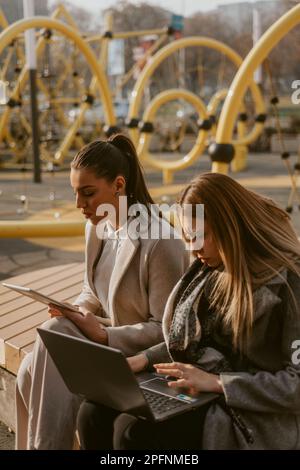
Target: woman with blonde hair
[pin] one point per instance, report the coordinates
(231, 326)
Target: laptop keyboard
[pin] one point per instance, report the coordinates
(161, 404)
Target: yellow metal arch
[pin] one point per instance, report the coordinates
(167, 166)
(239, 161)
(215, 100)
(212, 108)
(43, 229)
(59, 13)
(23, 77)
(3, 20)
(244, 76)
(7, 36)
(160, 56)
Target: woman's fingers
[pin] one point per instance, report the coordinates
(178, 383)
(73, 316)
(54, 312)
(184, 375)
(174, 369)
(169, 365)
(173, 372)
(187, 376)
(71, 305)
(184, 384)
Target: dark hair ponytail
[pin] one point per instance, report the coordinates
(116, 156)
(136, 186)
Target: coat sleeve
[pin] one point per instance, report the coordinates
(167, 262)
(277, 392)
(86, 299)
(156, 354)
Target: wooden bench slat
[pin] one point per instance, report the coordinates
(26, 337)
(18, 346)
(20, 315)
(15, 356)
(21, 301)
(23, 325)
(15, 346)
(35, 275)
(12, 318)
(28, 348)
(22, 339)
(26, 324)
(40, 283)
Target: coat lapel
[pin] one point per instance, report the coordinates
(94, 245)
(265, 298)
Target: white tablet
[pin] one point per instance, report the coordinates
(38, 296)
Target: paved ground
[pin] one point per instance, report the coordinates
(265, 174)
(7, 438)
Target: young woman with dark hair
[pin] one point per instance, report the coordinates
(127, 282)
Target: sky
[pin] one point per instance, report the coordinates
(181, 7)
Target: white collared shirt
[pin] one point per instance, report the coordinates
(103, 272)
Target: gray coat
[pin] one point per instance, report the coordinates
(267, 393)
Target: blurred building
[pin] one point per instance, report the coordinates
(13, 9)
(238, 14)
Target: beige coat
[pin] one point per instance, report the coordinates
(141, 282)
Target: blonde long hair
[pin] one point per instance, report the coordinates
(255, 239)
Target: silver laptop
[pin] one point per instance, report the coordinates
(102, 375)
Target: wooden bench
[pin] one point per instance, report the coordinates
(19, 318)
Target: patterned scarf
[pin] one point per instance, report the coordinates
(193, 322)
(186, 328)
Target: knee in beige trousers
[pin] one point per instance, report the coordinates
(46, 410)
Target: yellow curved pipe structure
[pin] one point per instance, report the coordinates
(244, 76)
(212, 108)
(215, 100)
(7, 36)
(167, 166)
(239, 161)
(19, 86)
(41, 229)
(165, 52)
(27, 229)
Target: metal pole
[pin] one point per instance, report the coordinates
(28, 9)
(256, 34)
